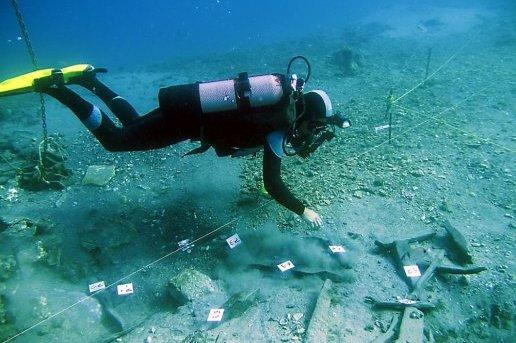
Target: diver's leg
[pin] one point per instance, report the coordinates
(151, 131)
(120, 107)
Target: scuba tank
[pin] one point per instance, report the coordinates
(231, 115)
(235, 115)
(241, 93)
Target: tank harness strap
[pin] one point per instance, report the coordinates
(243, 92)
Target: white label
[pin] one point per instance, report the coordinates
(215, 314)
(380, 128)
(285, 266)
(406, 301)
(97, 286)
(234, 241)
(125, 289)
(412, 271)
(337, 249)
(184, 245)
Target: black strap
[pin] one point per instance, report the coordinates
(243, 91)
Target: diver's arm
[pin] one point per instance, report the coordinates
(274, 184)
(276, 188)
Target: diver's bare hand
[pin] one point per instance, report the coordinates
(312, 217)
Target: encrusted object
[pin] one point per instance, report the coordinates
(50, 171)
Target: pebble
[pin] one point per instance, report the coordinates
(358, 194)
(297, 316)
(464, 280)
(369, 327)
(417, 173)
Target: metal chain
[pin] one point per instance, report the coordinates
(25, 34)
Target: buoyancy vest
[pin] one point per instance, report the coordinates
(233, 116)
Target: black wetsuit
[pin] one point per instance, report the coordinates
(158, 129)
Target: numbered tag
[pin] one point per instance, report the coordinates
(285, 266)
(234, 241)
(97, 286)
(125, 289)
(215, 314)
(337, 249)
(185, 244)
(406, 301)
(380, 128)
(412, 271)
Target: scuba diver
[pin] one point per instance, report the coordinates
(235, 116)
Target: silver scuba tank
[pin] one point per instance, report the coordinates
(244, 91)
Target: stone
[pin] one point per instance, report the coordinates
(417, 173)
(190, 285)
(358, 194)
(7, 267)
(98, 175)
(4, 224)
(7, 329)
(239, 303)
(348, 61)
(39, 303)
(297, 316)
(107, 233)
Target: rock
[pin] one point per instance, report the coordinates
(445, 207)
(369, 327)
(297, 316)
(464, 280)
(417, 173)
(107, 233)
(458, 241)
(7, 330)
(7, 267)
(3, 311)
(98, 175)
(33, 303)
(190, 285)
(4, 224)
(358, 194)
(348, 61)
(46, 169)
(239, 303)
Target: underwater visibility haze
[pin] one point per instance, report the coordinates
(257, 171)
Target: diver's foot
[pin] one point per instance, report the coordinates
(87, 78)
(53, 81)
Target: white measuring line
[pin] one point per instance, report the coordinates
(440, 120)
(436, 71)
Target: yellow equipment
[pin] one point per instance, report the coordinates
(25, 83)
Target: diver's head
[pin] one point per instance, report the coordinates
(318, 111)
(315, 124)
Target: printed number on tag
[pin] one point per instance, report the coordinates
(125, 289)
(215, 314)
(337, 249)
(234, 241)
(412, 271)
(97, 286)
(285, 266)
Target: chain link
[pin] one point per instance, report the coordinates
(25, 34)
